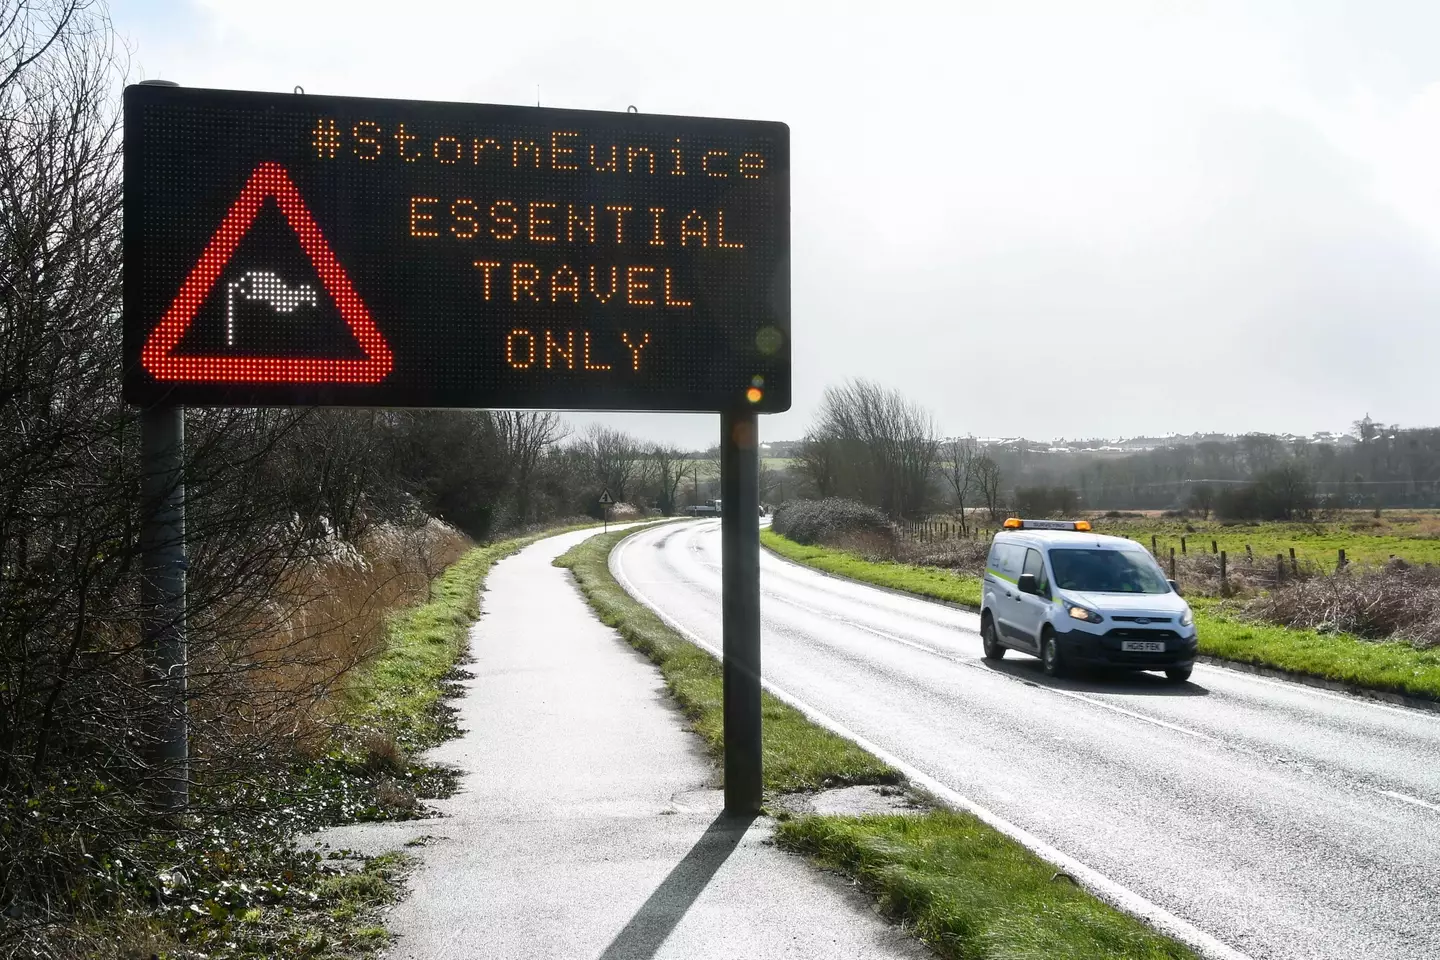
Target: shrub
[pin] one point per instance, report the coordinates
(1397, 602)
(825, 521)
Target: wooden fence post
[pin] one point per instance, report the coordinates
(1154, 545)
(1182, 546)
(1294, 567)
(1279, 568)
(1172, 563)
(1224, 586)
(1249, 557)
(1214, 547)
(1342, 559)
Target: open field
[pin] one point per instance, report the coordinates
(1413, 536)
(1410, 535)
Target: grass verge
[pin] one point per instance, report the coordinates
(798, 755)
(962, 887)
(970, 892)
(931, 582)
(1371, 664)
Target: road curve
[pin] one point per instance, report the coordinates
(1285, 821)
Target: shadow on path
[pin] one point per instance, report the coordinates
(658, 916)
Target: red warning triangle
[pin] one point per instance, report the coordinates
(157, 356)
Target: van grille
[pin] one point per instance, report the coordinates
(1146, 619)
(1140, 633)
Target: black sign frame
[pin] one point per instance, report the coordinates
(698, 310)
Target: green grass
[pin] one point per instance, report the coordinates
(798, 755)
(1365, 539)
(970, 892)
(930, 582)
(1377, 665)
(400, 690)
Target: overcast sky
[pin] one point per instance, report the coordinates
(1146, 218)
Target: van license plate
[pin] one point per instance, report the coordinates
(1142, 646)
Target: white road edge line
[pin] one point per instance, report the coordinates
(1094, 881)
(1405, 798)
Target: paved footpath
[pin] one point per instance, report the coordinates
(588, 821)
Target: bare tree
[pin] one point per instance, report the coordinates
(960, 474)
(613, 459)
(871, 443)
(523, 438)
(987, 483)
(667, 467)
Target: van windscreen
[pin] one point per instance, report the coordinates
(1107, 571)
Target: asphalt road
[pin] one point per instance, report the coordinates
(1282, 820)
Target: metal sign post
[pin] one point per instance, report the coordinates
(162, 597)
(740, 605)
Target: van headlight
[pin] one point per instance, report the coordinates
(1187, 618)
(1081, 613)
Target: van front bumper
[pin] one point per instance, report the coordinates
(1106, 650)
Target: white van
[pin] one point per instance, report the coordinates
(1057, 591)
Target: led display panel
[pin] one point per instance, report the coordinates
(302, 250)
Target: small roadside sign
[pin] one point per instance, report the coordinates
(605, 498)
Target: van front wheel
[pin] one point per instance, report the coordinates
(991, 642)
(1050, 655)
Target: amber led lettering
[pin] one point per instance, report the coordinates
(692, 227)
(584, 223)
(588, 364)
(447, 150)
(521, 147)
(637, 281)
(705, 163)
(565, 280)
(632, 152)
(670, 300)
(463, 213)
(417, 217)
(750, 165)
(607, 167)
(561, 152)
(595, 289)
(540, 221)
(619, 212)
(401, 139)
(720, 240)
(513, 355)
(503, 213)
(480, 146)
(635, 348)
(523, 277)
(367, 140)
(567, 353)
(485, 266)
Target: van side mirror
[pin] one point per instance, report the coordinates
(1027, 584)
(1174, 585)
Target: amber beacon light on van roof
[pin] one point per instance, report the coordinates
(287, 249)
(1015, 523)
